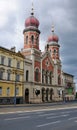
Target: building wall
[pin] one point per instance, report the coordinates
(69, 86)
(9, 84)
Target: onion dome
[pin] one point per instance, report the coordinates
(32, 21)
(53, 37)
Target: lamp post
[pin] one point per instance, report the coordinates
(15, 91)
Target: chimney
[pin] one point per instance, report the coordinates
(13, 49)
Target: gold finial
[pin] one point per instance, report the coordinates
(32, 10)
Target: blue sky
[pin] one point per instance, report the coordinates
(62, 13)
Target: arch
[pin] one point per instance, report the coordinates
(51, 93)
(37, 40)
(59, 80)
(26, 39)
(47, 77)
(32, 39)
(26, 95)
(47, 92)
(50, 77)
(43, 76)
(43, 94)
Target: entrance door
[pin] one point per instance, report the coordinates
(43, 94)
(27, 95)
(47, 91)
(51, 93)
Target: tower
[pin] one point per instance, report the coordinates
(53, 48)
(31, 45)
(31, 32)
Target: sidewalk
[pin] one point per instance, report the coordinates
(31, 104)
(22, 108)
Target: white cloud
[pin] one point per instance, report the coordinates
(6, 8)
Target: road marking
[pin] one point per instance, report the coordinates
(66, 112)
(48, 124)
(47, 114)
(31, 113)
(16, 118)
(46, 109)
(72, 118)
(39, 112)
(57, 116)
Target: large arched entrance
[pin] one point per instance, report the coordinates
(51, 93)
(43, 94)
(47, 92)
(27, 95)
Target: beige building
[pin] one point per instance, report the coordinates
(69, 86)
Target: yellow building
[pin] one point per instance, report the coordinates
(11, 76)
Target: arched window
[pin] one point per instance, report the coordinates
(54, 51)
(46, 77)
(50, 77)
(37, 40)
(26, 39)
(50, 50)
(37, 75)
(59, 80)
(27, 75)
(32, 39)
(42, 76)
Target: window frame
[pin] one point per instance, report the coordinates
(0, 90)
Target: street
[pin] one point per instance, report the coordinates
(59, 118)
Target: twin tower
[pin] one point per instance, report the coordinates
(41, 60)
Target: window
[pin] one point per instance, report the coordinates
(54, 51)
(2, 60)
(9, 62)
(27, 75)
(46, 77)
(18, 64)
(26, 39)
(42, 76)
(8, 91)
(50, 50)
(17, 77)
(8, 76)
(0, 90)
(17, 91)
(37, 40)
(37, 75)
(50, 77)
(32, 39)
(1, 74)
(59, 80)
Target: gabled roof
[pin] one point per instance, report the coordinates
(47, 54)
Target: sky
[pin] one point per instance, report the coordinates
(61, 13)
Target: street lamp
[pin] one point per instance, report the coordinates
(15, 91)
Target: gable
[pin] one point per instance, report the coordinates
(47, 63)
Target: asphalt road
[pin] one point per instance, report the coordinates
(47, 119)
